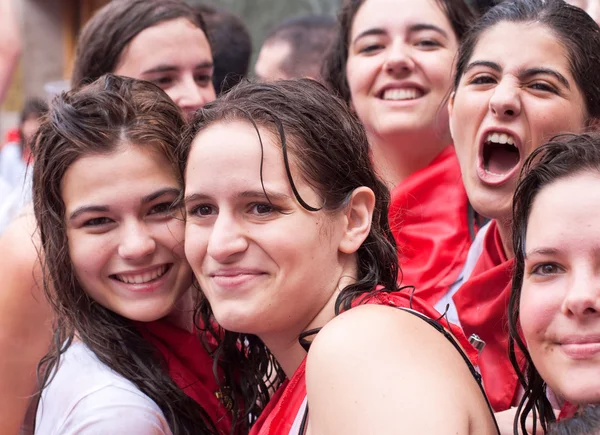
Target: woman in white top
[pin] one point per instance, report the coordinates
(105, 180)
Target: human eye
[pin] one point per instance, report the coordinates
(97, 222)
(203, 79)
(262, 208)
(202, 210)
(544, 87)
(428, 43)
(163, 81)
(482, 79)
(546, 269)
(161, 209)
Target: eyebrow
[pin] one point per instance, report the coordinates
(277, 196)
(104, 208)
(524, 74)
(171, 68)
(542, 251)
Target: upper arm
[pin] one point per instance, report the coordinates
(377, 369)
(25, 322)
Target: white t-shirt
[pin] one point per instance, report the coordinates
(87, 397)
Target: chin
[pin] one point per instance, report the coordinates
(490, 203)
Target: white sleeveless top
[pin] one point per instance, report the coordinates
(86, 397)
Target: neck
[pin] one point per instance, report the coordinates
(397, 158)
(504, 228)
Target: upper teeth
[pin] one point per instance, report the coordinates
(401, 94)
(501, 138)
(142, 277)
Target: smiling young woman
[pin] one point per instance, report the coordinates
(105, 179)
(395, 71)
(554, 311)
(522, 77)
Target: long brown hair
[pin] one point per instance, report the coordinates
(95, 120)
(107, 34)
(326, 142)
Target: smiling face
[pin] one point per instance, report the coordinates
(399, 67)
(176, 56)
(265, 268)
(125, 246)
(517, 91)
(560, 299)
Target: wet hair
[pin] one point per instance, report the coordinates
(459, 14)
(231, 46)
(111, 29)
(573, 28)
(585, 422)
(564, 156)
(97, 120)
(309, 38)
(327, 144)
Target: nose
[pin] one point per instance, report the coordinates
(506, 102)
(191, 96)
(398, 59)
(583, 297)
(226, 239)
(137, 242)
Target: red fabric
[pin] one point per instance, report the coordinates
(279, 415)
(190, 366)
(429, 218)
(482, 306)
(567, 411)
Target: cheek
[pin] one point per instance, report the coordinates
(538, 308)
(195, 245)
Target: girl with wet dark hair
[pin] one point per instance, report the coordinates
(162, 41)
(554, 309)
(522, 76)
(395, 70)
(125, 357)
(288, 237)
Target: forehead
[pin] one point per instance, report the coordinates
(521, 45)
(176, 41)
(376, 13)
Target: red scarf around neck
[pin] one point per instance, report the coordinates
(482, 306)
(190, 366)
(429, 218)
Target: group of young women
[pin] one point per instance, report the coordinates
(398, 252)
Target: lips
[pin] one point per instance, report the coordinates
(499, 156)
(581, 347)
(231, 279)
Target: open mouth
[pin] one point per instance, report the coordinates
(500, 154)
(143, 278)
(402, 94)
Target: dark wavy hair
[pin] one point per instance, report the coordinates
(460, 15)
(321, 137)
(96, 120)
(111, 29)
(574, 29)
(564, 156)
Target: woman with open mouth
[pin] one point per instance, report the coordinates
(393, 62)
(523, 76)
(126, 358)
(554, 310)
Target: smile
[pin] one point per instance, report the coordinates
(142, 277)
(499, 157)
(401, 94)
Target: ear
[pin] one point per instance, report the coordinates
(450, 110)
(359, 214)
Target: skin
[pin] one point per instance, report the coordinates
(18, 326)
(560, 299)
(176, 56)
(10, 44)
(119, 225)
(270, 58)
(394, 51)
(252, 264)
(531, 107)
(592, 7)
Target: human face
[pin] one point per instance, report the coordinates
(265, 268)
(592, 7)
(560, 299)
(399, 66)
(517, 92)
(271, 57)
(125, 245)
(176, 56)
(28, 129)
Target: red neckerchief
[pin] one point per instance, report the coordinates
(567, 411)
(482, 306)
(190, 366)
(429, 218)
(279, 415)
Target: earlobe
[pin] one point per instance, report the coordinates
(359, 214)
